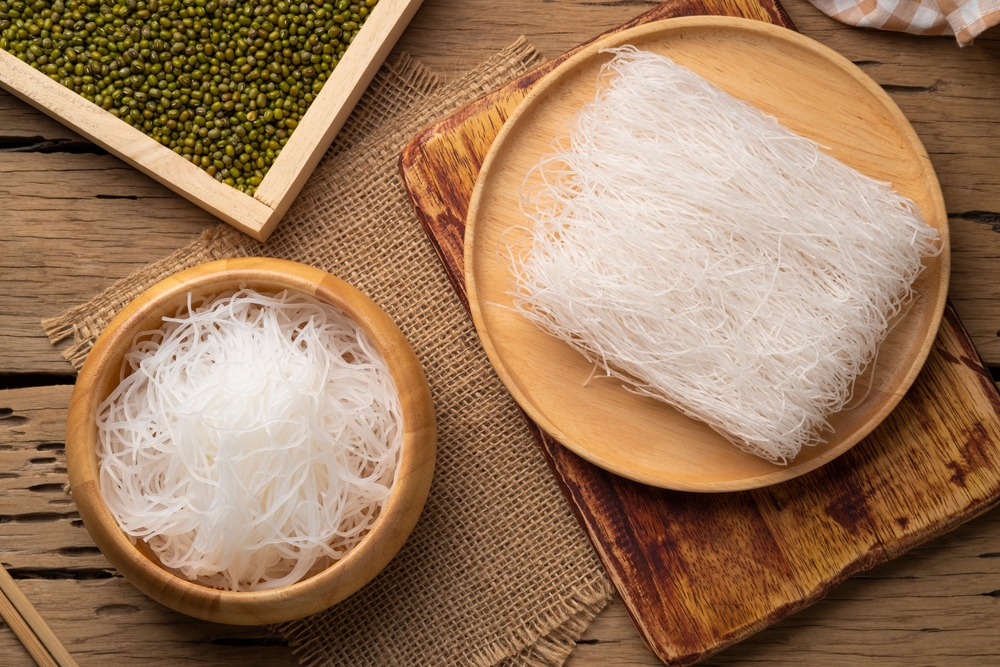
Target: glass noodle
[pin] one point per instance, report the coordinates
(252, 440)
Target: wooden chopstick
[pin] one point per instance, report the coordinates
(30, 627)
(24, 633)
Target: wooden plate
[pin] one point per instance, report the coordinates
(812, 91)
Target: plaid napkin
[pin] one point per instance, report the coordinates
(963, 18)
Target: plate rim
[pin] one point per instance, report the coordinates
(665, 26)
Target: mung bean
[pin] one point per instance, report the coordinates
(201, 77)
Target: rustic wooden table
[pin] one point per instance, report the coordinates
(75, 219)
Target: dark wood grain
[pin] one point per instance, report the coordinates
(699, 572)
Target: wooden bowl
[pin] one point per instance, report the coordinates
(811, 90)
(100, 375)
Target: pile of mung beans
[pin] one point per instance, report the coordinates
(223, 83)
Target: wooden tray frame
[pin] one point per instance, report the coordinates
(255, 215)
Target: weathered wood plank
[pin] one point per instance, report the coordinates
(55, 542)
(449, 36)
(73, 224)
(39, 526)
(21, 120)
(974, 291)
(33, 417)
(108, 621)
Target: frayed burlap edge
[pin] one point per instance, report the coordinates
(86, 321)
(548, 646)
(546, 643)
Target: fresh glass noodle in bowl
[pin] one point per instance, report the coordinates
(250, 441)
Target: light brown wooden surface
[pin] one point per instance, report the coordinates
(809, 89)
(74, 222)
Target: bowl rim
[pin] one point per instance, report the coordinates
(99, 375)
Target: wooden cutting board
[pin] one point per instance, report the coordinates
(699, 572)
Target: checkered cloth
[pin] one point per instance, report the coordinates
(963, 18)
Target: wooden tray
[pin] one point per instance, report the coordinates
(257, 215)
(809, 88)
(699, 572)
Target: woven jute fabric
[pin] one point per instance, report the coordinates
(497, 571)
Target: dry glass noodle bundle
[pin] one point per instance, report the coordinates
(692, 246)
(253, 440)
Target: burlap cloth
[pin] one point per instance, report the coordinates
(497, 571)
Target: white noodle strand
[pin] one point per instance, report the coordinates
(697, 249)
(252, 440)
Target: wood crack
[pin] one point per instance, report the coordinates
(75, 552)
(991, 218)
(909, 90)
(40, 145)
(78, 574)
(38, 517)
(43, 145)
(46, 488)
(622, 3)
(24, 380)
